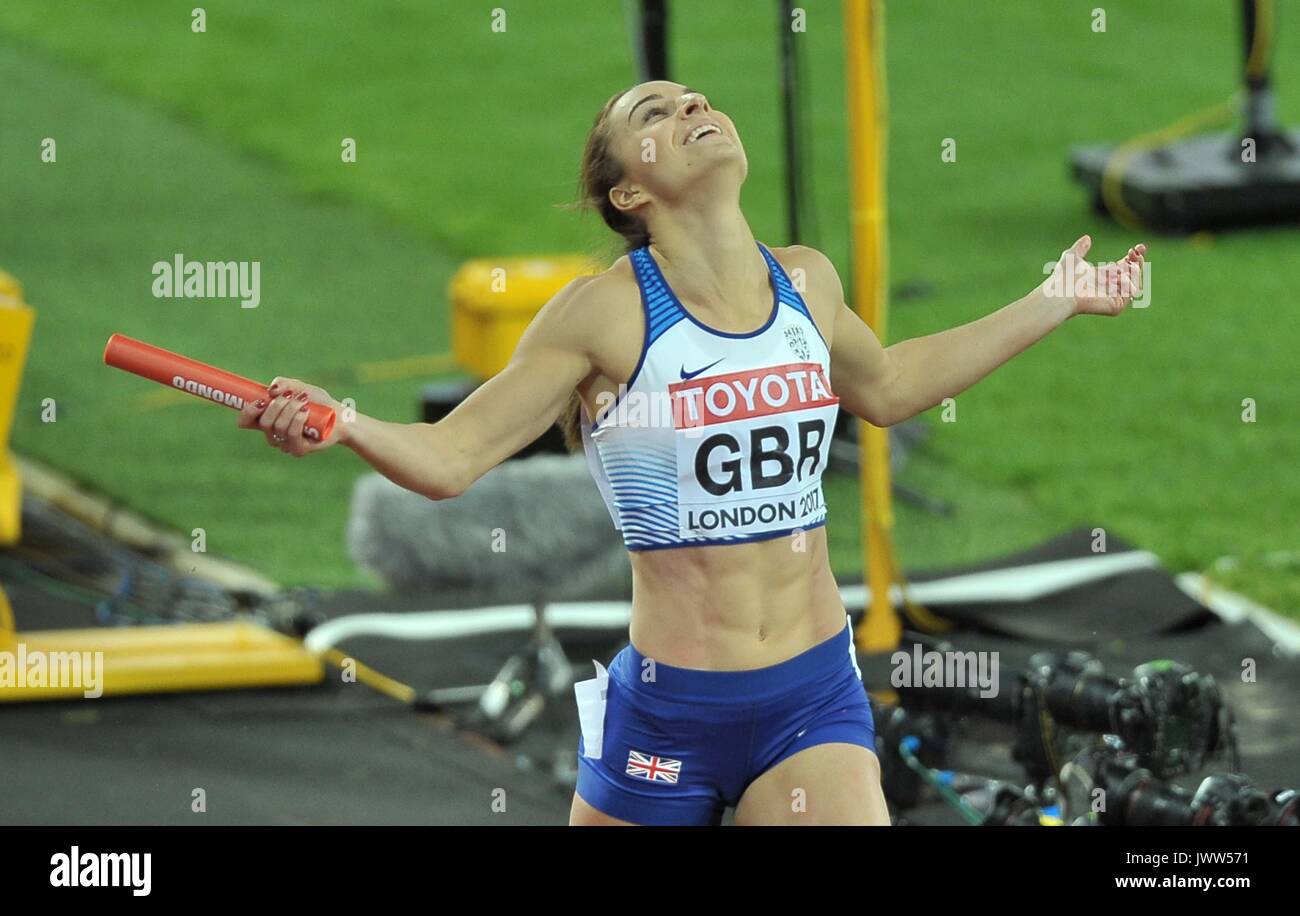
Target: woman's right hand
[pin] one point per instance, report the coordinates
(282, 416)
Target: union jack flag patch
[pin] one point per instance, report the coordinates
(653, 767)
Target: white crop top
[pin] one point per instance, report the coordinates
(718, 438)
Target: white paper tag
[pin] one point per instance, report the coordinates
(853, 650)
(591, 710)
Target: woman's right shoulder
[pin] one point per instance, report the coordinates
(598, 315)
(609, 298)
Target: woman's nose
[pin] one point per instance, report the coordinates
(695, 102)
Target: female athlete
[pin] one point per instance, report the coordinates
(697, 374)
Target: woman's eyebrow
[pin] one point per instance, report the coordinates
(634, 107)
(686, 90)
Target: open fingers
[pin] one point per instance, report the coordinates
(1123, 285)
(1136, 262)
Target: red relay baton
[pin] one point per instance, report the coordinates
(203, 381)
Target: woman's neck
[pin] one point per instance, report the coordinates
(712, 258)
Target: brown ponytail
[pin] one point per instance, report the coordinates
(601, 171)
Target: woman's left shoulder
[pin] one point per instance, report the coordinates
(815, 277)
(816, 267)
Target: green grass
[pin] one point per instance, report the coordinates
(226, 145)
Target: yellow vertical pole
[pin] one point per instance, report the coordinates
(881, 629)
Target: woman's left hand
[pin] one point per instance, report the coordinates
(1104, 289)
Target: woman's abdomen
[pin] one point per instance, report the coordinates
(734, 607)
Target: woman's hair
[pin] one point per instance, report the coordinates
(601, 171)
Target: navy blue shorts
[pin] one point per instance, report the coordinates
(678, 745)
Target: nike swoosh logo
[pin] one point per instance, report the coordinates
(690, 375)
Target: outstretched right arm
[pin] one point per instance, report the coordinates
(501, 416)
(504, 414)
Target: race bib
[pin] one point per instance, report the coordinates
(751, 447)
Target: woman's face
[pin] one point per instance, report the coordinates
(669, 138)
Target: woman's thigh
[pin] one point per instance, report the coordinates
(582, 814)
(827, 784)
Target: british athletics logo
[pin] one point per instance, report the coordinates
(653, 767)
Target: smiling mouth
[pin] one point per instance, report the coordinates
(704, 130)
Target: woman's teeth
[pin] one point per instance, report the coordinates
(701, 131)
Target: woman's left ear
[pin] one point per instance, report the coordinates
(623, 198)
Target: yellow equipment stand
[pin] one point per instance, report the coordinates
(163, 659)
(68, 664)
(494, 299)
(16, 319)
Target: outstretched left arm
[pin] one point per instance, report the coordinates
(885, 386)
